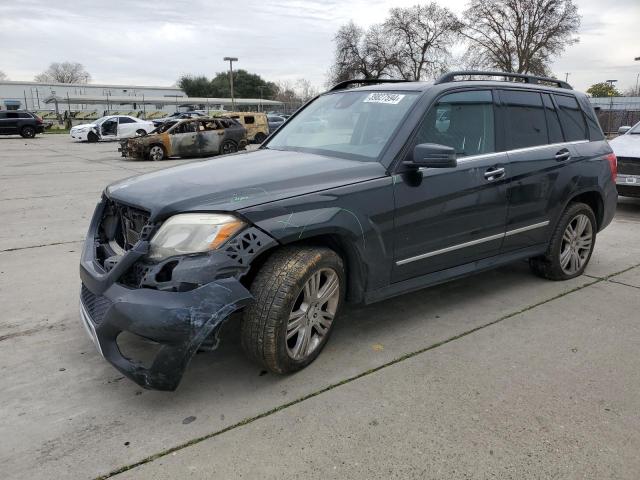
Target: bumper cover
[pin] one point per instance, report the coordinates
(178, 321)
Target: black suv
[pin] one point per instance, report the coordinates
(366, 193)
(17, 122)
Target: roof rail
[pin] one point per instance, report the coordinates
(363, 81)
(450, 77)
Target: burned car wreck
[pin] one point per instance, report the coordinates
(191, 137)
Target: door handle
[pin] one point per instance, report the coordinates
(494, 173)
(563, 155)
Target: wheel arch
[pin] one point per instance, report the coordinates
(594, 199)
(342, 246)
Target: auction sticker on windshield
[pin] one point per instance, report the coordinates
(388, 98)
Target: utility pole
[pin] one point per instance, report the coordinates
(231, 60)
(637, 76)
(566, 76)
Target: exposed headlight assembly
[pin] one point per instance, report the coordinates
(192, 233)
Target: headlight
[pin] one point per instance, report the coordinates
(192, 233)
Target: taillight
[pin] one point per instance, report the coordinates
(38, 120)
(613, 164)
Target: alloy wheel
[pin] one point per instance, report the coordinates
(577, 242)
(312, 313)
(156, 153)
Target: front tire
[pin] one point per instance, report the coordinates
(571, 245)
(228, 147)
(259, 137)
(28, 132)
(156, 153)
(92, 137)
(299, 291)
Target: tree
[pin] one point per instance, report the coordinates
(65, 72)
(3, 76)
(521, 36)
(603, 89)
(195, 86)
(424, 35)
(361, 54)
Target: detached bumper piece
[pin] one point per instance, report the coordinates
(174, 313)
(178, 322)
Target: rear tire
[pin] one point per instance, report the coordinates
(299, 292)
(259, 137)
(28, 132)
(141, 133)
(571, 245)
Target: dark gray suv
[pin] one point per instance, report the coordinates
(366, 193)
(16, 122)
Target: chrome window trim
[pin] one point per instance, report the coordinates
(482, 156)
(473, 242)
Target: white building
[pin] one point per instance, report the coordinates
(32, 95)
(59, 98)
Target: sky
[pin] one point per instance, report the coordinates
(154, 42)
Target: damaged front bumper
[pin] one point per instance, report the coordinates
(176, 320)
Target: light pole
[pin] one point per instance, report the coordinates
(610, 82)
(231, 60)
(637, 76)
(261, 88)
(566, 76)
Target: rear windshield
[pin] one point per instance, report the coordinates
(356, 125)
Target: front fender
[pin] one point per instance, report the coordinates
(360, 216)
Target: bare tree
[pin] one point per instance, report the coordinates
(65, 72)
(520, 36)
(305, 91)
(424, 35)
(3, 76)
(362, 54)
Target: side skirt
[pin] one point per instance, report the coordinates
(442, 276)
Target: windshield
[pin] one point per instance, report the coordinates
(353, 124)
(102, 119)
(635, 130)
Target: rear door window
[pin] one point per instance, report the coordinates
(571, 118)
(525, 116)
(462, 120)
(127, 120)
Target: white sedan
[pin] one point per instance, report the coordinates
(627, 150)
(112, 127)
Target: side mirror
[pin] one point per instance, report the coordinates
(624, 129)
(432, 155)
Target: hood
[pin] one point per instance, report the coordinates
(627, 145)
(233, 182)
(84, 125)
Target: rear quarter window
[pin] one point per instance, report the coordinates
(571, 118)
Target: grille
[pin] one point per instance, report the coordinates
(629, 165)
(96, 305)
(123, 224)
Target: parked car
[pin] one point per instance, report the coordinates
(190, 137)
(384, 200)
(627, 149)
(255, 123)
(111, 127)
(19, 122)
(179, 116)
(275, 122)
